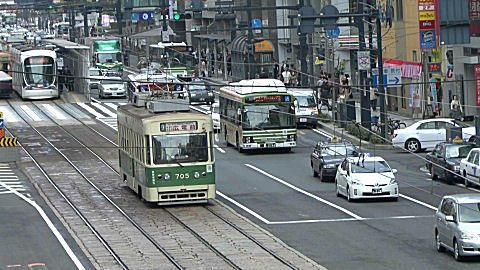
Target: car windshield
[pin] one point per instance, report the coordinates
(339, 150)
(370, 167)
(460, 124)
(109, 57)
(306, 101)
(268, 116)
(196, 87)
(180, 148)
(469, 212)
(457, 151)
(111, 82)
(95, 72)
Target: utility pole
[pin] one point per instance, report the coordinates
(119, 18)
(381, 88)
(85, 19)
(310, 53)
(365, 95)
(164, 5)
(250, 45)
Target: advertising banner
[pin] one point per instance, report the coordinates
(427, 23)
(477, 84)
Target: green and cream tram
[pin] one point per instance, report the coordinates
(258, 114)
(166, 152)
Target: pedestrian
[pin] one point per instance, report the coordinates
(276, 69)
(229, 64)
(455, 108)
(284, 66)
(203, 68)
(287, 76)
(347, 86)
(373, 98)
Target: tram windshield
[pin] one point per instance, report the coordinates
(260, 117)
(109, 57)
(39, 70)
(171, 149)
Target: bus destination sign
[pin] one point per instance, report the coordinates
(178, 126)
(183, 48)
(268, 99)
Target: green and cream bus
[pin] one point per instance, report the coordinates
(258, 114)
(166, 152)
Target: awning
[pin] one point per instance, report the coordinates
(214, 36)
(410, 69)
(157, 32)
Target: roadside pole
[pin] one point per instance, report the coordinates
(380, 83)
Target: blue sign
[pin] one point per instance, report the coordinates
(146, 16)
(333, 34)
(134, 17)
(1, 123)
(427, 39)
(256, 23)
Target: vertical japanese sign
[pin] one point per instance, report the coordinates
(477, 84)
(428, 23)
(474, 15)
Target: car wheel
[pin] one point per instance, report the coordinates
(321, 175)
(337, 192)
(456, 251)
(237, 140)
(349, 198)
(467, 183)
(438, 244)
(432, 173)
(413, 145)
(315, 174)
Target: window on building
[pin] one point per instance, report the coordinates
(399, 10)
(414, 56)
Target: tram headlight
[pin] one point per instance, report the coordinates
(167, 176)
(196, 175)
(159, 177)
(204, 174)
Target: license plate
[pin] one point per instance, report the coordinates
(376, 190)
(303, 120)
(269, 145)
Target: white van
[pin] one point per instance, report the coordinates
(306, 110)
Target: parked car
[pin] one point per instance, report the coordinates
(470, 167)
(306, 110)
(444, 160)
(111, 87)
(366, 177)
(199, 92)
(215, 110)
(425, 134)
(327, 156)
(94, 77)
(457, 225)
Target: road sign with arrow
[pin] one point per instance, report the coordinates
(392, 77)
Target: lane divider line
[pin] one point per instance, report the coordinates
(219, 149)
(322, 133)
(419, 202)
(244, 208)
(306, 193)
(344, 220)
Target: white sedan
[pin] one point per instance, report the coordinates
(111, 87)
(470, 167)
(425, 134)
(366, 177)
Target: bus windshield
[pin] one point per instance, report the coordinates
(39, 70)
(172, 149)
(268, 116)
(109, 57)
(179, 59)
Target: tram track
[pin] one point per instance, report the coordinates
(186, 226)
(92, 225)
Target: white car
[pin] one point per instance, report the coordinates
(366, 177)
(425, 134)
(111, 87)
(215, 110)
(94, 77)
(470, 167)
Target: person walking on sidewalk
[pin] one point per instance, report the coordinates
(455, 108)
(287, 76)
(373, 98)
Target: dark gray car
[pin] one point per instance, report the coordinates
(327, 156)
(199, 92)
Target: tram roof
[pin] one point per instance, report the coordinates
(142, 113)
(245, 87)
(65, 44)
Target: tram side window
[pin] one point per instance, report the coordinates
(147, 141)
(210, 148)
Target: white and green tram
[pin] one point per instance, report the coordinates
(166, 154)
(258, 114)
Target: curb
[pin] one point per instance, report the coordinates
(352, 139)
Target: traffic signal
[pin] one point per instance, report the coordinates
(50, 7)
(306, 19)
(178, 16)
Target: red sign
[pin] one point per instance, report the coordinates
(474, 7)
(477, 84)
(426, 25)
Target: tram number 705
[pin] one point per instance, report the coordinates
(182, 176)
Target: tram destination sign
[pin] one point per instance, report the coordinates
(178, 126)
(268, 99)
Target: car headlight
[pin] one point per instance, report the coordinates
(467, 235)
(393, 181)
(314, 113)
(330, 166)
(356, 182)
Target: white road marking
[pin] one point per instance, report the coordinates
(95, 100)
(3, 173)
(305, 192)
(417, 201)
(111, 105)
(103, 109)
(30, 113)
(343, 220)
(90, 110)
(8, 115)
(251, 212)
(54, 111)
(219, 149)
(470, 188)
(49, 223)
(198, 110)
(322, 133)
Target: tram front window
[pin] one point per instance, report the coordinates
(109, 57)
(39, 70)
(171, 149)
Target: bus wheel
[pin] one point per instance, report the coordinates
(238, 144)
(226, 136)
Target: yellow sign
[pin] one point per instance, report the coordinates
(264, 46)
(334, 140)
(426, 15)
(457, 140)
(318, 61)
(8, 142)
(1, 115)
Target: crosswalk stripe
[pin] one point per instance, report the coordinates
(30, 113)
(9, 115)
(54, 111)
(103, 109)
(111, 105)
(90, 110)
